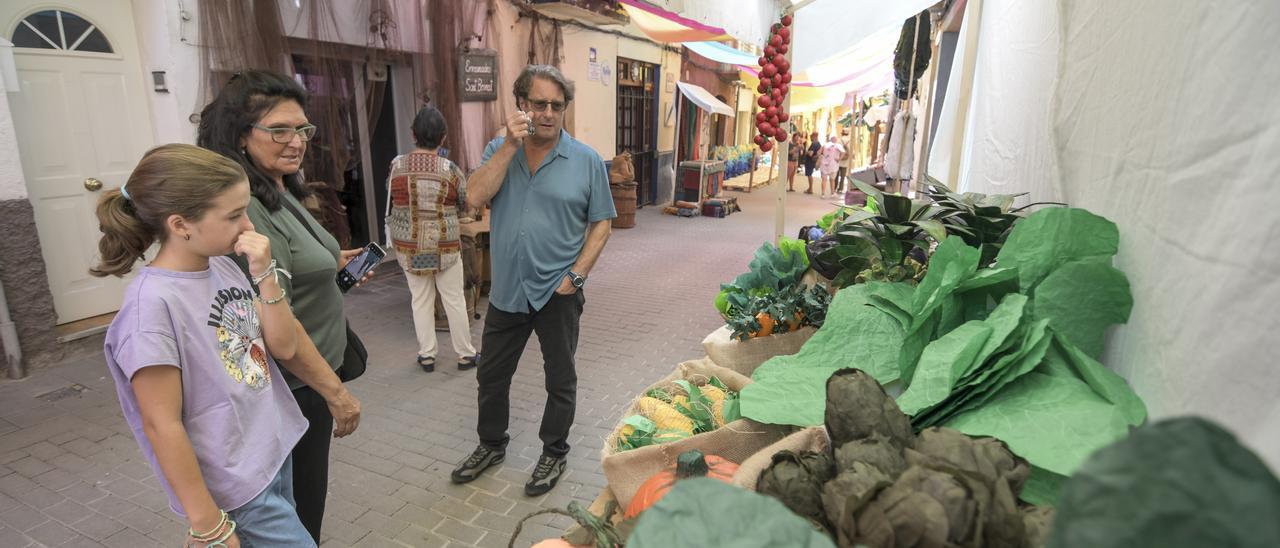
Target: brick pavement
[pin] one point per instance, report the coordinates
(71, 474)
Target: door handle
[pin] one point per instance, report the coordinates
(92, 185)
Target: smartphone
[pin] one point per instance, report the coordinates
(359, 266)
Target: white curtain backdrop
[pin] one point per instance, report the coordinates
(1165, 118)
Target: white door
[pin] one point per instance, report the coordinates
(82, 124)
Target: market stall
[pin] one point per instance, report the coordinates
(947, 370)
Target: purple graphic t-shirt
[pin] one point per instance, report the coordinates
(238, 411)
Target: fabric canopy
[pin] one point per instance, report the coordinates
(704, 99)
(665, 26)
(828, 29)
(823, 33)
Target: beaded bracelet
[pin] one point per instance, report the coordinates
(209, 542)
(222, 541)
(216, 538)
(275, 300)
(222, 520)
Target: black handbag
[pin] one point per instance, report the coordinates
(355, 358)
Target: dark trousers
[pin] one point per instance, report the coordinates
(505, 335)
(311, 460)
(840, 176)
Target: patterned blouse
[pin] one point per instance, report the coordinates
(424, 195)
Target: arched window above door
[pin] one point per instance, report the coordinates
(60, 30)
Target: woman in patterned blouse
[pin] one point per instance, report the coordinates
(425, 195)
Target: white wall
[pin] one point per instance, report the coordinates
(12, 185)
(595, 108)
(1164, 118)
(160, 31)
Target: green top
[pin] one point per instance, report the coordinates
(313, 292)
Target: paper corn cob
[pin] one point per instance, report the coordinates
(664, 415)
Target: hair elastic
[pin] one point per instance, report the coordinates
(124, 192)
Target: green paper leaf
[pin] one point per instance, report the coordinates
(941, 365)
(792, 389)
(989, 277)
(640, 423)
(1003, 321)
(1053, 422)
(913, 345)
(984, 382)
(1081, 299)
(1105, 382)
(952, 263)
(1049, 238)
(732, 409)
(1042, 487)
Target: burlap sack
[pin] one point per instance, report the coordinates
(745, 356)
(736, 441)
(621, 169)
(809, 439)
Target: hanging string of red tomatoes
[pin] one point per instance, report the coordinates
(775, 83)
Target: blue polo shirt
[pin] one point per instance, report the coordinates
(538, 223)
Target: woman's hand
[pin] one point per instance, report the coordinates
(345, 409)
(257, 249)
(345, 257)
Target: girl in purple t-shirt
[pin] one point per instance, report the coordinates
(193, 348)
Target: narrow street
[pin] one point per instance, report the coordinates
(71, 474)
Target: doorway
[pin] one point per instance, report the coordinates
(637, 123)
(83, 122)
(348, 161)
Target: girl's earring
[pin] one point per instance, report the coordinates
(187, 237)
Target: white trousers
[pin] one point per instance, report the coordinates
(422, 291)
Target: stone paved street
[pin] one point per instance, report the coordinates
(71, 474)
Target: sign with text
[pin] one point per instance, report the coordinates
(478, 75)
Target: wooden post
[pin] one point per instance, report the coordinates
(751, 176)
(780, 214)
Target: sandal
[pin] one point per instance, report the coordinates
(427, 364)
(469, 362)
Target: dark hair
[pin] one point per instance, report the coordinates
(429, 128)
(244, 100)
(173, 179)
(524, 82)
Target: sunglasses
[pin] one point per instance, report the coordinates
(540, 106)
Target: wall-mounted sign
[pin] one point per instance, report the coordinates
(478, 75)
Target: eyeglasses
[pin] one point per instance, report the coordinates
(284, 135)
(539, 106)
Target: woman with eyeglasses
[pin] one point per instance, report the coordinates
(258, 120)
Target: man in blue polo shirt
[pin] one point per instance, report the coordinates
(549, 222)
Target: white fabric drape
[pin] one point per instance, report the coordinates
(1163, 117)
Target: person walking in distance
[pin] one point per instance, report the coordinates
(810, 158)
(551, 210)
(425, 192)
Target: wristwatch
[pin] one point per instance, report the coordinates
(577, 279)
